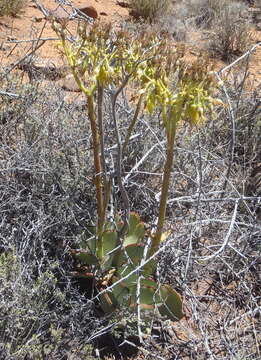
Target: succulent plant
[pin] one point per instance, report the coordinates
(120, 269)
(121, 258)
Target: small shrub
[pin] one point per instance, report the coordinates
(173, 26)
(231, 36)
(150, 9)
(11, 7)
(204, 12)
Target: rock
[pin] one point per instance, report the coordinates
(123, 4)
(89, 11)
(69, 84)
(37, 19)
(11, 38)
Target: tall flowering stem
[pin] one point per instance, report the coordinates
(164, 191)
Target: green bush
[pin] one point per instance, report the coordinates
(11, 7)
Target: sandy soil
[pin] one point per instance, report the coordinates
(30, 24)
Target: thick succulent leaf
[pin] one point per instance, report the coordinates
(85, 257)
(135, 253)
(90, 230)
(131, 254)
(131, 280)
(134, 220)
(148, 295)
(150, 268)
(109, 241)
(171, 306)
(167, 300)
(92, 244)
(88, 239)
(120, 292)
(136, 230)
(119, 295)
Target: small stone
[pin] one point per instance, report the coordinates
(36, 19)
(123, 4)
(11, 38)
(89, 11)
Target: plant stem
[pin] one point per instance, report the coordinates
(123, 191)
(101, 136)
(98, 174)
(132, 124)
(165, 189)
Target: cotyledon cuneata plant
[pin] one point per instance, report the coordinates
(120, 255)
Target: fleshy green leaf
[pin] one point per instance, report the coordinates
(132, 254)
(148, 295)
(171, 306)
(136, 230)
(85, 257)
(119, 295)
(131, 280)
(88, 240)
(167, 300)
(109, 241)
(134, 220)
(150, 268)
(120, 292)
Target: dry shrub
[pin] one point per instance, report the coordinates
(232, 34)
(150, 9)
(41, 308)
(204, 12)
(226, 23)
(11, 7)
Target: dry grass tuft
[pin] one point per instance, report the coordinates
(11, 7)
(231, 33)
(150, 9)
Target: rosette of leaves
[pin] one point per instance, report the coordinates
(121, 276)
